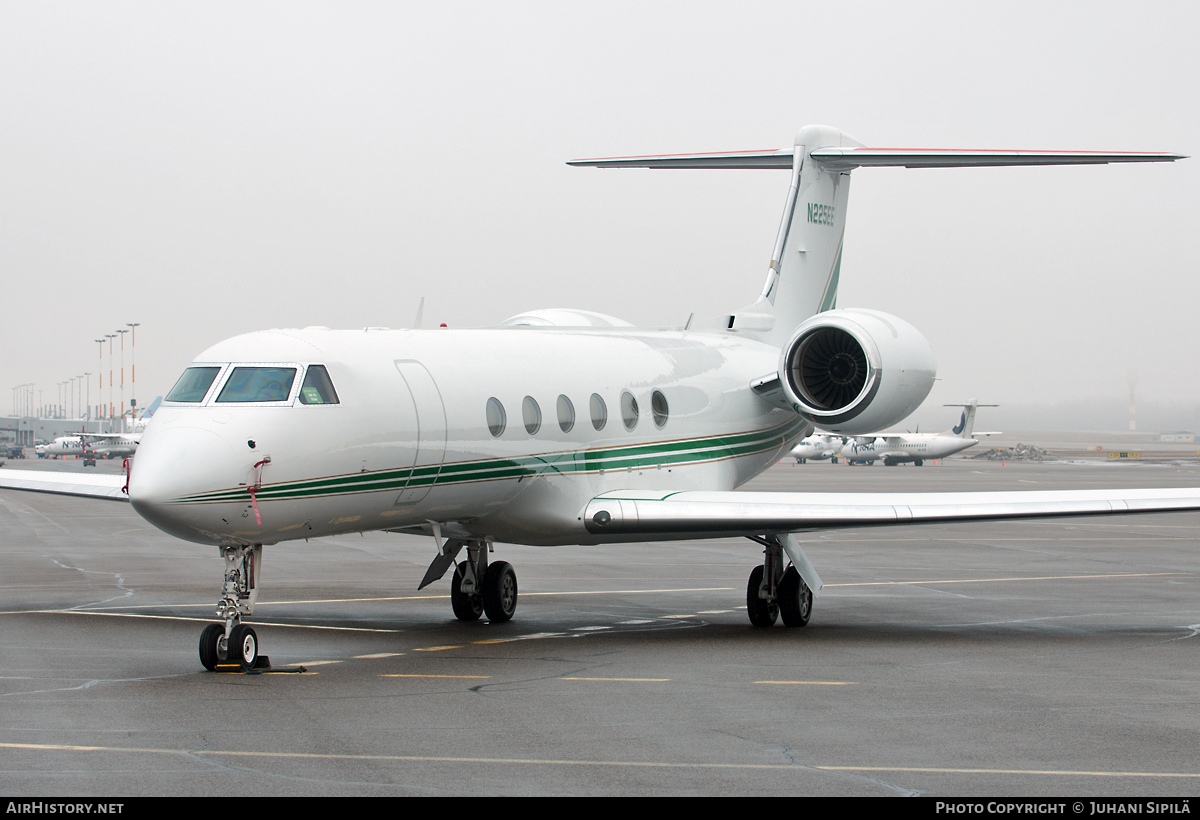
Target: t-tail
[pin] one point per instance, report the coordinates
(805, 268)
(966, 422)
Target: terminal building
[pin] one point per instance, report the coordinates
(22, 431)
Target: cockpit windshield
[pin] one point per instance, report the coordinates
(317, 387)
(193, 384)
(258, 384)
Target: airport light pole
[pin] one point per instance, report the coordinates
(132, 365)
(122, 334)
(89, 395)
(100, 376)
(110, 337)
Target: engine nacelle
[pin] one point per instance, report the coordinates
(856, 371)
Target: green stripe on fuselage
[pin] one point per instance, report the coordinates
(634, 456)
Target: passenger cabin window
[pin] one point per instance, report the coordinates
(258, 384)
(658, 407)
(566, 414)
(531, 414)
(193, 384)
(495, 417)
(629, 410)
(599, 411)
(317, 387)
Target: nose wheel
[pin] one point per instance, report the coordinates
(233, 646)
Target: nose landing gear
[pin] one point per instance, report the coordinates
(233, 646)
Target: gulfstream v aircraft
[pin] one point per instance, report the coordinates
(566, 427)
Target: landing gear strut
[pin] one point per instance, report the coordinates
(478, 587)
(773, 591)
(233, 646)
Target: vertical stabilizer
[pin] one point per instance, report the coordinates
(966, 422)
(802, 279)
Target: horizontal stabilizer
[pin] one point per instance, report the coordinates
(715, 514)
(847, 158)
(93, 485)
(764, 158)
(843, 159)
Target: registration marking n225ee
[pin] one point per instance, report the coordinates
(819, 214)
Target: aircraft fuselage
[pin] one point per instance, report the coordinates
(408, 442)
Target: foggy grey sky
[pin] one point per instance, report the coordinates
(208, 170)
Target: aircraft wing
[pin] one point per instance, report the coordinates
(691, 514)
(987, 433)
(93, 485)
(847, 158)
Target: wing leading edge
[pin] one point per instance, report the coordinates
(92, 485)
(694, 514)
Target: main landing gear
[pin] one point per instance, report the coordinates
(773, 591)
(233, 646)
(478, 587)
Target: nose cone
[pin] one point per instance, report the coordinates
(174, 463)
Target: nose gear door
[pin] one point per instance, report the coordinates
(431, 430)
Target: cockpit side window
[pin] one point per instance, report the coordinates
(258, 384)
(193, 384)
(317, 387)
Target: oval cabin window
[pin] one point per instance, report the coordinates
(566, 414)
(629, 410)
(495, 417)
(531, 414)
(599, 411)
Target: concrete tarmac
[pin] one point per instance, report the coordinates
(1048, 657)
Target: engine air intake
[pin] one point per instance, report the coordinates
(828, 369)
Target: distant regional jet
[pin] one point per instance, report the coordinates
(91, 446)
(896, 449)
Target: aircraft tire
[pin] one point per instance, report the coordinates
(210, 653)
(762, 613)
(243, 646)
(500, 592)
(919, 462)
(795, 599)
(466, 606)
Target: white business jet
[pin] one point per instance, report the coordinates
(894, 448)
(818, 447)
(567, 427)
